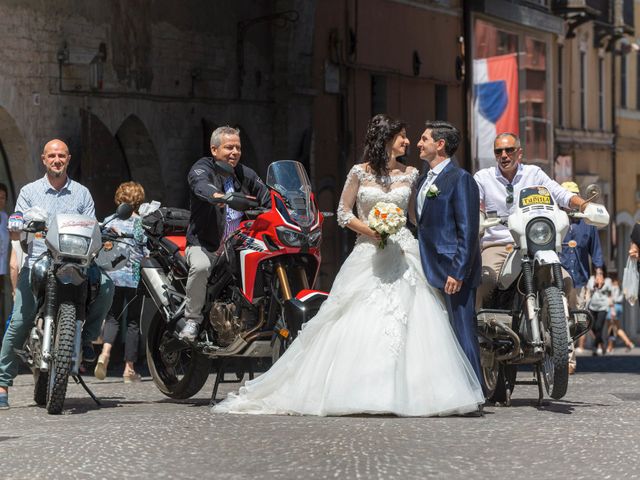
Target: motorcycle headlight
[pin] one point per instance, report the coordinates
(540, 232)
(74, 244)
(315, 237)
(290, 238)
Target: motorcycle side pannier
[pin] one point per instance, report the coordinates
(167, 221)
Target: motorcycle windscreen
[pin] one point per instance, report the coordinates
(290, 180)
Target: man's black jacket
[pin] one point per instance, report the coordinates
(207, 222)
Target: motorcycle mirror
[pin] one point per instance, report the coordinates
(124, 211)
(592, 192)
(224, 168)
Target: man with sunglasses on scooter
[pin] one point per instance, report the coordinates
(499, 188)
(211, 221)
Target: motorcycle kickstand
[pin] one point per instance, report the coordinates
(79, 380)
(222, 368)
(540, 392)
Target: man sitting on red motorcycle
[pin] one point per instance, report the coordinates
(211, 222)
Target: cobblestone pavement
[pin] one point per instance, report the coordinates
(138, 433)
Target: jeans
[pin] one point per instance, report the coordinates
(23, 317)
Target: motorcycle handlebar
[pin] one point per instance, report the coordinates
(255, 212)
(35, 226)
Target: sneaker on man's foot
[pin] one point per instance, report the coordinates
(599, 352)
(4, 401)
(190, 331)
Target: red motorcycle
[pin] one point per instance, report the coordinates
(259, 294)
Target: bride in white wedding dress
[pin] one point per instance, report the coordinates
(381, 343)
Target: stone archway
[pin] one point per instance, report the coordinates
(15, 168)
(102, 165)
(141, 157)
(15, 171)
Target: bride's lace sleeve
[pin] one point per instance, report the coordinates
(348, 197)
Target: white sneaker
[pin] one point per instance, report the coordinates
(579, 350)
(189, 331)
(599, 351)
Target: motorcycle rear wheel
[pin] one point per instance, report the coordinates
(553, 323)
(178, 375)
(61, 361)
(505, 381)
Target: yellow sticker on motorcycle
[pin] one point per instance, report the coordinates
(535, 196)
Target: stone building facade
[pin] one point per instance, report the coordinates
(136, 87)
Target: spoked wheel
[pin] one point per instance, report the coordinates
(177, 369)
(61, 361)
(553, 326)
(40, 378)
(41, 381)
(280, 343)
(504, 384)
(490, 375)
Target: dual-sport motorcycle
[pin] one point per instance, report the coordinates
(530, 322)
(65, 279)
(259, 293)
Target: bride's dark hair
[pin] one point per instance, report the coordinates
(380, 131)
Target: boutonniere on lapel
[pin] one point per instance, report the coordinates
(433, 191)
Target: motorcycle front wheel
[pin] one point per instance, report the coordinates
(41, 382)
(553, 326)
(61, 361)
(40, 378)
(180, 373)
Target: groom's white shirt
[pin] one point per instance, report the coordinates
(422, 194)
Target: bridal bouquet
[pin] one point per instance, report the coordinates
(386, 219)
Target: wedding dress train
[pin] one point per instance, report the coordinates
(381, 343)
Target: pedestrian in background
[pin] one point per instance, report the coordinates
(578, 260)
(598, 307)
(126, 282)
(614, 317)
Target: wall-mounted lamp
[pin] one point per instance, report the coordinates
(67, 56)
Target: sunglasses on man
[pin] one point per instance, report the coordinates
(507, 150)
(509, 194)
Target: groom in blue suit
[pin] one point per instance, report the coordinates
(447, 213)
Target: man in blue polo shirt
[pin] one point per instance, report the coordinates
(54, 193)
(578, 260)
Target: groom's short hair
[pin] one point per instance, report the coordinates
(445, 131)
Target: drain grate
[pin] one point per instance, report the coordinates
(628, 397)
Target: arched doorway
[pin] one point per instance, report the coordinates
(102, 165)
(15, 171)
(141, 157)
(15, 167)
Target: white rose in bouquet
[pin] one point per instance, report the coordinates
(386, 219)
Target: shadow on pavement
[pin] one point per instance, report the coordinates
(80, 406)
